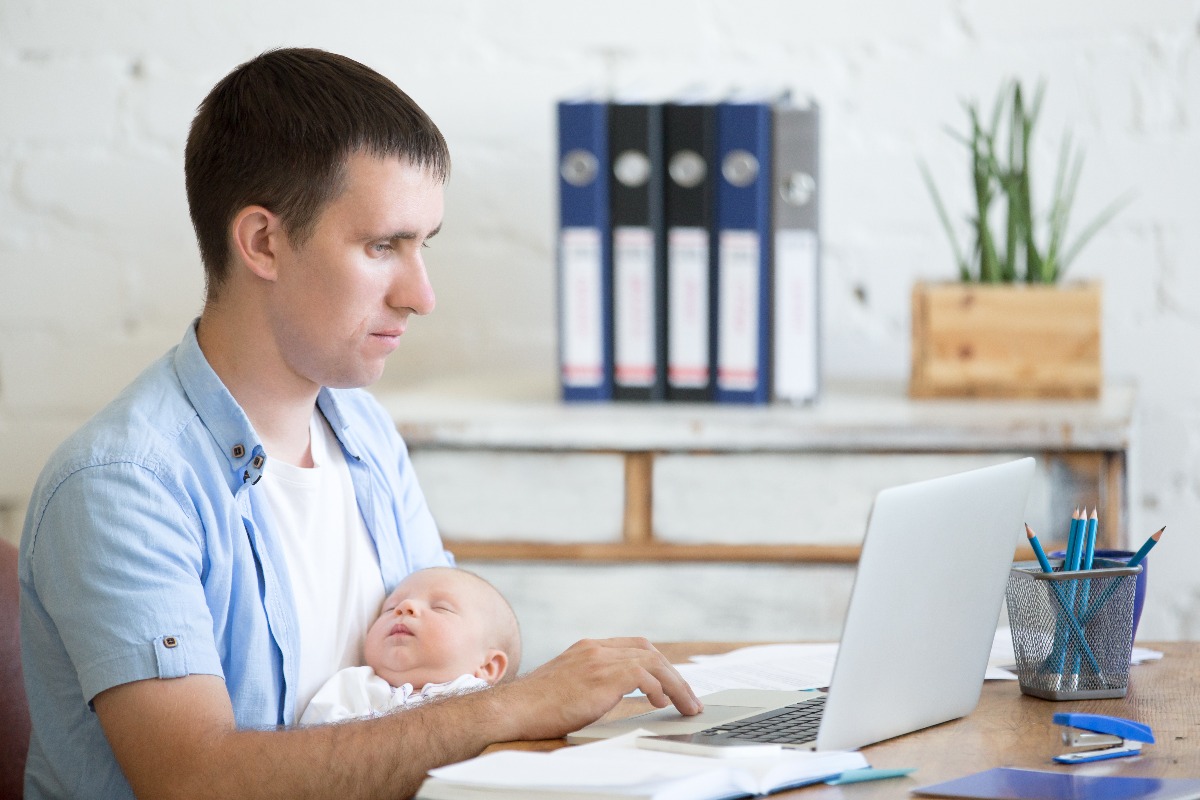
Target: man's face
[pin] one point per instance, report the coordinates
(434, 627)
(342, 301)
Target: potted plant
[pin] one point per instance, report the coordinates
(1012, 326)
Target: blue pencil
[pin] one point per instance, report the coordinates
(1089, 541)
(1137, 559)
(1071, 564)
(1089, 552)
(1037, 550)
(1145, 548)
(1060, 646)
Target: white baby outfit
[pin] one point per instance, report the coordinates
(359, 692)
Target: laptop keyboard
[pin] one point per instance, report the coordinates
(794, 724)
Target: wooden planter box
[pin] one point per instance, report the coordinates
(973, 340)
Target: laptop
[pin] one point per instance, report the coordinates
(918, 629)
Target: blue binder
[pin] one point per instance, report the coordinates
(584, 252)
(743, 308)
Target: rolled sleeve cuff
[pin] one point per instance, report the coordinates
(167, 656)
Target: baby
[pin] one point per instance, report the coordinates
(442, 631)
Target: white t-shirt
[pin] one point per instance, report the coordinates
(334, 568)
(359, 692)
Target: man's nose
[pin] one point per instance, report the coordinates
(411, 287)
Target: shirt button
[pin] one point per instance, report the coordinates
(257, 462)
(238, 451)
(170, 641)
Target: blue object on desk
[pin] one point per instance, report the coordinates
(869, 774)
(1097, 737)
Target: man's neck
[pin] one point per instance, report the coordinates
(278, 403)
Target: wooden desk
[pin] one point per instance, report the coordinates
(1010, 729)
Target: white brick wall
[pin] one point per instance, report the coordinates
(98, 272)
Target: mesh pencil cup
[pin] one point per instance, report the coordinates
(1072, 631)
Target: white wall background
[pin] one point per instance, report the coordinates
(99, 273)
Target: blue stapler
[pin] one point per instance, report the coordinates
(1095, 737)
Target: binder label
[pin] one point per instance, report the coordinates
(795, 367)
(687, 315)
(633, 301)
(737, 298)
(582, 326)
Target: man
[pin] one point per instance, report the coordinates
(198, 558)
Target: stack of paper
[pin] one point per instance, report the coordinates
(617, 768)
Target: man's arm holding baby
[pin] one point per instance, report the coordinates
(177, 737)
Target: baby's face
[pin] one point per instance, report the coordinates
(434, 627)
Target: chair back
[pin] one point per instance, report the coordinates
(14, 707)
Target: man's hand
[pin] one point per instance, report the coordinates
(587, 680)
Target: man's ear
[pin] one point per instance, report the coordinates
(257, 235)
(494, 667)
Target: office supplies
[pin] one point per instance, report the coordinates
(869, 774)
(1067, 624)
(1073, 541)
(1096, 737)
(689, 208)
(743, 248)
(1146, 547)
(920, 624)
(796, 257)
(621, 769)
(1037, 550)
(584, 260)
(1135, 561)
(1009, 783)
(635, 146)
(1048, 634)
(1089, 542)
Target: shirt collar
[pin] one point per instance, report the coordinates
(219, 412)
(226, 421)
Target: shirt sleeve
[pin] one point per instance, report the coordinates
(117, 564)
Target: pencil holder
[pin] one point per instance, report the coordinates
(1072, 631)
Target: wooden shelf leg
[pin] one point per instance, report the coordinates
(639, 498)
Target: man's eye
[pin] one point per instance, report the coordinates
(382, 247)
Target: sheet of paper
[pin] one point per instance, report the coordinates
(585, 766)
(810, 666)
(771, 666)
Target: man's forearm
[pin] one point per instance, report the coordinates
(386, 757)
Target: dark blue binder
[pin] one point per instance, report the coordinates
(584, 252)
(743, 307)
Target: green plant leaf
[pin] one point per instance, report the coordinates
(960, 258)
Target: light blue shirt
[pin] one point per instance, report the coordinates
(146, 554)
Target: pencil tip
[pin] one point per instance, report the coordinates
(1028, 531)
(1158, 534)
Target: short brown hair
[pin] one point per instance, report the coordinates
(277, 131)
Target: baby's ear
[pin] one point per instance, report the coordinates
(494, 667)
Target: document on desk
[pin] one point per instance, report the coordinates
(810, 666)
(617, 768)
(768, 666)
